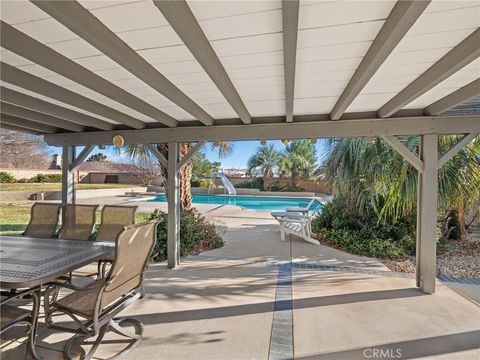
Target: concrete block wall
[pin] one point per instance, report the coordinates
(29, 173)
(99, 178)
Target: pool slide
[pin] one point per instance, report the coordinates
(230, 189)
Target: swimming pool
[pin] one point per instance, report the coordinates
(252, 203)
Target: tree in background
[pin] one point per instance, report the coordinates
(224, 148)
(266, 160)
(299, 160)
(139, 150)
(377, 181)
(24, 151)
(202, 167)
(143, 169)
(97, 157)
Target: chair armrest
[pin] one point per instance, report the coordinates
(293, 220)
(297, 210)
(288, 214)
(292, 217)
(73, 287)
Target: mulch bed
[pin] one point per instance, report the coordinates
(459, 259)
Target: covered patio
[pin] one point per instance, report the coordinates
(93, 73)
(258, 298)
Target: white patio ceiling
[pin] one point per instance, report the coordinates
(248, 39)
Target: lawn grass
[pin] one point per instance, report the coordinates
(14, 219)
(58, 186)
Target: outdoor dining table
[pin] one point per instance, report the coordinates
(27, 262)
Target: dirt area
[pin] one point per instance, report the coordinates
(460, 259)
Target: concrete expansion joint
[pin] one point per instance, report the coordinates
(281, 338)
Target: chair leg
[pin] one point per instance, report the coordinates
(32, 333)
(115, 326)
(67, 352)
(136, 337)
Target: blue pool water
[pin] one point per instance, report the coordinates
(252, 203)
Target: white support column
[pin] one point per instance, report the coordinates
(173, 197)
(419, 217)
(68, 178)
(427, 214)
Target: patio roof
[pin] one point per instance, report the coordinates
(120, 65)
(81, 73)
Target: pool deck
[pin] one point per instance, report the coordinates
(260, 298)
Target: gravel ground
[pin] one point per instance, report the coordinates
(460, 259)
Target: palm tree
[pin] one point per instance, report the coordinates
(299, 160)
(265, 160)
(225, 148)
(97, 157)
(373, 177)
(139, 151)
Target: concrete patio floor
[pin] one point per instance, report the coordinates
(260, 298)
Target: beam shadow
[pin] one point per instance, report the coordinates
(249, 309)
(409, 349)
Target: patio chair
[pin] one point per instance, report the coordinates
(14, 315)
(94, 307)
(78, 222)
(312, 209)
(114, 219)
(296, 224)
(43, 220)
(312, 205)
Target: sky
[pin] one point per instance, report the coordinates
(238, 160)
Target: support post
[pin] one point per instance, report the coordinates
(81, 157)
(173, 197)
(68, 179)
(427, 214)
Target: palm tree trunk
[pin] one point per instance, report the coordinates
(185, 175)
(267, 180)
(460, 212)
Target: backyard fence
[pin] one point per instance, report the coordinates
(315, 186)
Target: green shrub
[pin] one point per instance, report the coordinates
(203, 183)
(256, 183)
(6, 177)
(46, 178)
(197, 233)
(368, 237)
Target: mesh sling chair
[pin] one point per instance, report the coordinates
(12, 315)
(43, 220)
(114, 219)
(93, 308)
(78, 222)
